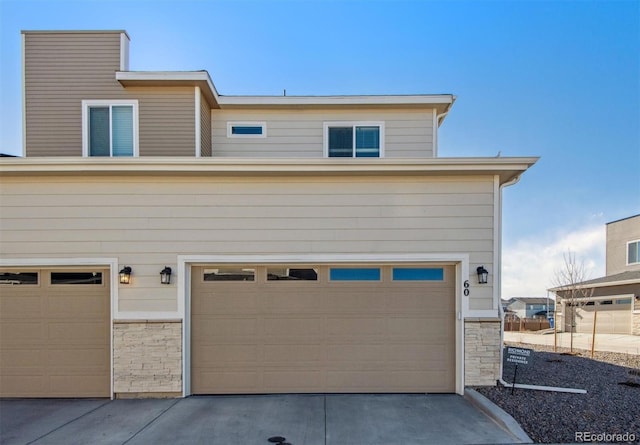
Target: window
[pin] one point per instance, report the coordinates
(290, 274)
(246, 129)
(76, 277)
(18, 278)
(354, 274)
(418, 274)
(229, 274)
(354, 139)
(633, 252)
(110, 128)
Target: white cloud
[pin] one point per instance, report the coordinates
(529, 266)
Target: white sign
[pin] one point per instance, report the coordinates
(519, 356)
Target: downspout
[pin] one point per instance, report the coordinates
(439, 117)
(500, 312)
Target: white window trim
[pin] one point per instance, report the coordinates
(626, 253)
(262, 125)
(85, 122)
(353, 124)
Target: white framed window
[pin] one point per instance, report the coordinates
(354, 139)
(633, 252)
(246, 129)
(109, 128)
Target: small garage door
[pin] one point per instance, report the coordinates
(614, 317)
(54, 333)
(297, 329)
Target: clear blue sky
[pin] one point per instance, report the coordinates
(556, 79)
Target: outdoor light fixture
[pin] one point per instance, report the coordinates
(482, 275)
(125, 275)
(165, 275)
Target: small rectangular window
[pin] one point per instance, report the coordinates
(624, 301)
(418, 274)
(76, 277)
(110, 128)
(229, 274)
(291, 274)
(19, 278)
(633, 252)
(354, 274)
(246, 129)
(354, 139)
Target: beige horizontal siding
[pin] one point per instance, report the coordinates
(63, 69)
(299, 133)
(146, 223)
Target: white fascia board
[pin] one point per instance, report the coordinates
(168, 76)
(338, 100)
(589, 286)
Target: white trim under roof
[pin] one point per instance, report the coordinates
(426, 99)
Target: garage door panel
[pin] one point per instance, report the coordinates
(83, 358)
(348, 327)
(297, 381)
(83, 385)
(18, 333)
(229, 304)
(279, 327)
(293, 353)
(22, 358)
(296, 303)
(78, 333)
(22, 383)
(17, 307)
(76, 306)
(231, 381)
(357, 302)
(216, 328)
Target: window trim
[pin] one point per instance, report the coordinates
(86, 104)
(261, 124)
(626, 254)
(353, 124)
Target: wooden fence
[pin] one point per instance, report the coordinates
(527, 324)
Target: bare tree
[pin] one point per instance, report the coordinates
(567, 283)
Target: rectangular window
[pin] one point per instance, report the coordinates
(246, 129)
(354, 139)
(418, 274)
(110, 128)
(291, 274)
(354, 274)
(19, 278)
(633, 252)
(76, 277)
(229, 274)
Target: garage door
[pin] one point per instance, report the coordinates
(54, 333)
(614, 317)
(296, 329)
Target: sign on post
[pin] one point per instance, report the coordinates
(518, 356)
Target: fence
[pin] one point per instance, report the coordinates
(527, 324)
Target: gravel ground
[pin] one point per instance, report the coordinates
(608, 407)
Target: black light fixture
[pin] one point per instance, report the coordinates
(125, 275)
(165, 275)
(483, 274)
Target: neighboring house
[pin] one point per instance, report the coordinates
(616, 296)
(315, 244)
(530, 307)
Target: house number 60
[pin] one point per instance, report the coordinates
(466, 288)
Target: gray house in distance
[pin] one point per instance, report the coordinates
(531, 307)
(616, 296)
(160, 239)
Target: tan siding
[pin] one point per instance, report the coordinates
(618, 235)
(146, 222)
(299, 133)
(205, 127)
(63, 69)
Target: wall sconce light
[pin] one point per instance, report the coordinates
(125, 275)
(483, 274)
(165, 275)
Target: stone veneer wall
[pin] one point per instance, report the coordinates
(482, 349)
(147, 358)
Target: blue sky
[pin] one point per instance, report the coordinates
(556, 79)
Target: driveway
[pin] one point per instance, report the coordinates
(301, 419)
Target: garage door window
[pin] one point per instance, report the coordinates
(19, 278)
(76, 277)
(418, 274)
(354, 274)
(229, 274)
(291, 274)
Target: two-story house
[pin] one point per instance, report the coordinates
(530, 307)
(616, 296)
(162, 239)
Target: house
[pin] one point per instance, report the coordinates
(161, 239)
(616, 296)
(530, 307)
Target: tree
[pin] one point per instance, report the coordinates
(568, 286)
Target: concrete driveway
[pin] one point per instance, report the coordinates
(301, 419)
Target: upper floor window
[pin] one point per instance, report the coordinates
(110, 127)
(246, 129)
(354, 139)
(633, 252)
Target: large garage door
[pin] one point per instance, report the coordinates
(614, 317)
(54, 333)
(294, 329)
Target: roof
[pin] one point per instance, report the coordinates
(441, 102)
(508, 169)
(534, 300)
(623, 219)
(628, 277)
